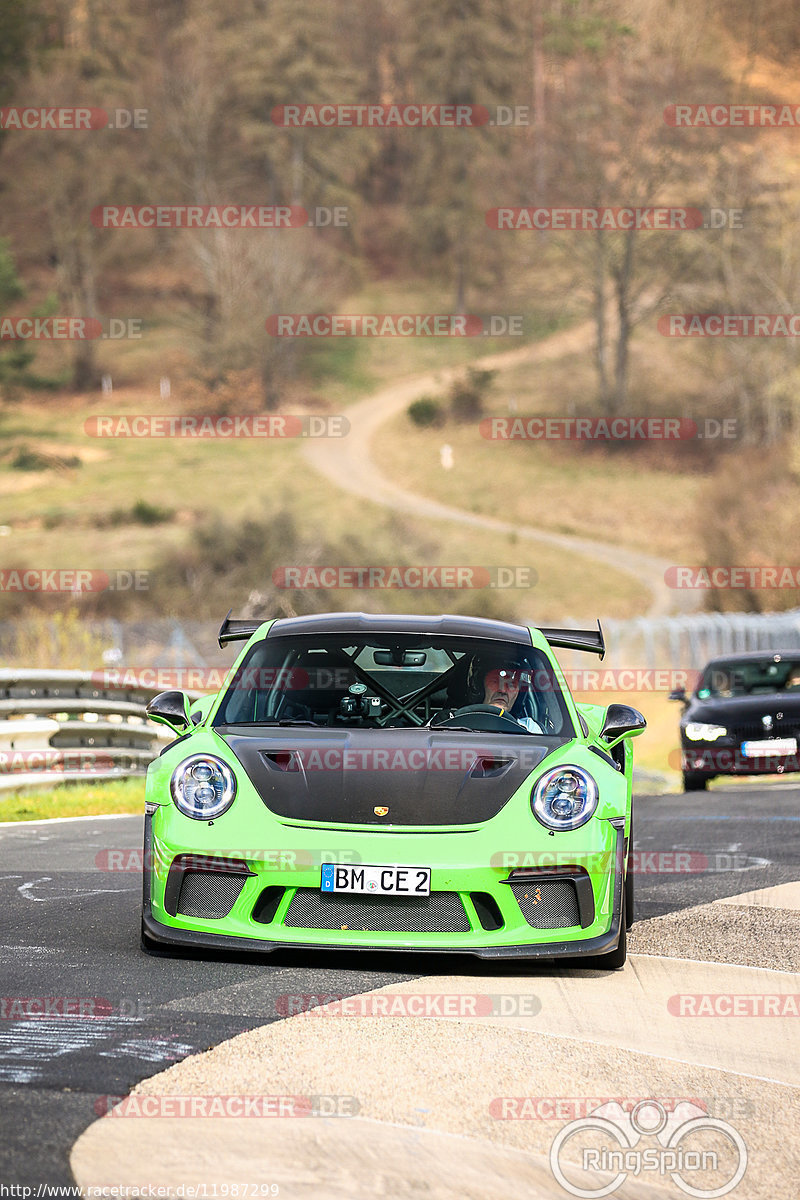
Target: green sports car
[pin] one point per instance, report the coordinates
(396, 783)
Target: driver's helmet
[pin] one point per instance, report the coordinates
(485, 665)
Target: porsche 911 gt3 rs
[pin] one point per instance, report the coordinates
(395, 783)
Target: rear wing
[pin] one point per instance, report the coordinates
(237, 631)
(590, 640)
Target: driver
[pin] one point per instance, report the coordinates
(501, 687)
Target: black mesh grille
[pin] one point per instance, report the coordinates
(441, 912)
(547, 904)
(209, 894)
(787, 727)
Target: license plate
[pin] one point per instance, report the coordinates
(772, 748)
(376, 881)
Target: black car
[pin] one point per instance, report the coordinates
(743, 718)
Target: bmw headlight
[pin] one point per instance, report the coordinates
(203, 787)
(565, 798)
(698, 731)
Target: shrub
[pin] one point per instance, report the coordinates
(427, 412)
(467, 395)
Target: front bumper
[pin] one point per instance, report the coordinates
(729, 760)
(597, 931)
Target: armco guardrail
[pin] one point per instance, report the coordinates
(60, 726)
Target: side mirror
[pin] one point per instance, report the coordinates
(678, 694)
(621, 721)
(170, 709)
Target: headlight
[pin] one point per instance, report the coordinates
(698, 731)
(565, 798)
(203, 787)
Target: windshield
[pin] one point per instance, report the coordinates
(750, 677)
(391, 680)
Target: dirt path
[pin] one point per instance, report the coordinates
(348, 463)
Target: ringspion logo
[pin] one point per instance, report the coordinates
(684, 1144)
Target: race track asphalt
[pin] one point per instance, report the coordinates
(69, 936)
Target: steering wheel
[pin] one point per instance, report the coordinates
(489, 717)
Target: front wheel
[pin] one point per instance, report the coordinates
(695, 781)
(617, 958)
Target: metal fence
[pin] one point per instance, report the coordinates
(64, 726)
(689, 641)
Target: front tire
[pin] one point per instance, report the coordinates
(695, 781)
(617, 958)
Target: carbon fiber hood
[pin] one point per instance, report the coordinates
(421, 777)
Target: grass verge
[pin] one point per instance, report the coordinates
(78, 799)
